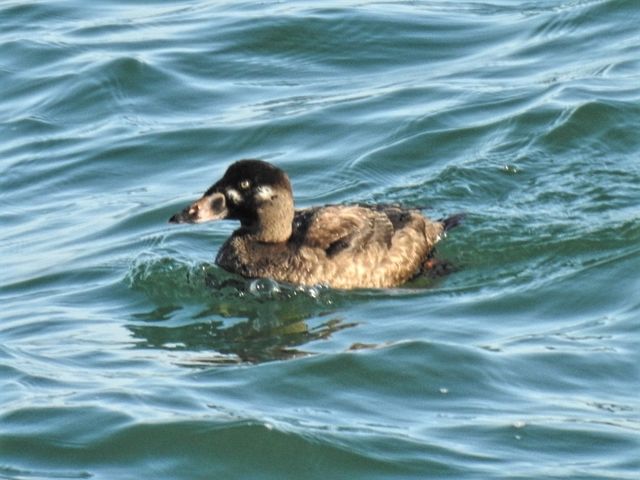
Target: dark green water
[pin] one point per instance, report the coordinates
(124, 353)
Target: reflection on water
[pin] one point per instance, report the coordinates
(202, 308)
(251, 341)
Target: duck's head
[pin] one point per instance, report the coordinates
(254, 192)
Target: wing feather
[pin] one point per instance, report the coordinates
(335, 229)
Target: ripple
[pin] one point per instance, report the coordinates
(202, 307)
(122, 352)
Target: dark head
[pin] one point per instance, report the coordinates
(252, 191)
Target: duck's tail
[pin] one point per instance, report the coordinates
(435, 267)
(453, 221)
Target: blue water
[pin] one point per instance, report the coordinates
(124, 352)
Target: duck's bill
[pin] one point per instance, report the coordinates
(208, 208)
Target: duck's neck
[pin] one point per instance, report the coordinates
(274, 221)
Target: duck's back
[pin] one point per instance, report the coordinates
(354, 246)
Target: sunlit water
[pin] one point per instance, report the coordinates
(124, 352)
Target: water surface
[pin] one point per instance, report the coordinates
(125, 351)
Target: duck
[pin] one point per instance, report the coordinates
(355, 246)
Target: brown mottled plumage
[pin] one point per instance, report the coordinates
(343, 246)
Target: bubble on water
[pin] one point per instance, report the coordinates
(264, 287)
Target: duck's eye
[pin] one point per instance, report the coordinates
(245, 184)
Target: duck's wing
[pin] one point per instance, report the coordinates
(339, 228)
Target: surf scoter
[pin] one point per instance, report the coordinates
(342, 246)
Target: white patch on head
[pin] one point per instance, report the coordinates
(264, 193)
(234, 195)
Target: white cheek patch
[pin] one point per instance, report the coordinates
(234, 196)
(264, 193)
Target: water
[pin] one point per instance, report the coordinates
(125, 352)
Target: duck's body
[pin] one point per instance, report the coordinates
(339, 245)
(343, 246)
